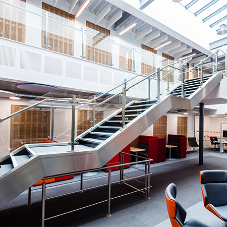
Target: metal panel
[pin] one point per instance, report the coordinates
(19, 179)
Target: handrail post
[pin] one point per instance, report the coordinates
(183, 79)
(158, 84)
(148, 180)
(73, 122)
(109, 193)
(111, 52)
(93, 115)
(201, 77)
(123, 103)
(168, 78)
(149, 88)
(29, 196)
(216, 61)
(133, 60)
(52, 124)
(43, 202)
(83, 42)
(121, 168)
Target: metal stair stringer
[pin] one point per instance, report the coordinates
(110, 147)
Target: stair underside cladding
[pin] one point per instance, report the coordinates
(23, 167)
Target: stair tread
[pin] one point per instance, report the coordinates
(102, 133)
(92, 140)
(110, 127)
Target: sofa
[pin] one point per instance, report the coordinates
(155, 148)
(181, 142)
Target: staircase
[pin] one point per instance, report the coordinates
(189, 86)
(23, 167)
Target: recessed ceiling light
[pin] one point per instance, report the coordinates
(127, 29)
(16, 98)
(176, 0)
(164, 44)
(82, 8)
(185, 113)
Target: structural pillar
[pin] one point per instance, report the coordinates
(201, 126)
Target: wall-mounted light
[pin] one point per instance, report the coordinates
(188, 56)
(164, 44)
(15, 98)
(82, 7)
(127, 29)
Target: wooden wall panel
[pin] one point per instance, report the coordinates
(147, 48)
(96, 50)
(182, 126)
(31, 126)
(167, 56)
(160, 127)
(84, 119)
(166, 70)
(56, 42)
(58, 11)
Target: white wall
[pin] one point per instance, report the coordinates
(211, 128)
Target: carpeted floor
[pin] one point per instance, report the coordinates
(132, 210)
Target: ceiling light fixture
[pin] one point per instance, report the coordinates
(188, 56)
(15, 98)
(82, 8)
(185, 113)
(176, 0)
(222, 30)
(164, 44)
(127, 29)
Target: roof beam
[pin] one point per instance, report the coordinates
(143, 33)
(152, 36)
(191, 3)
(55, 3)
(145, 3)
(72, 5)
(171, 47)
(102, 14)
(159, 40)
(205, 7)
(215, 13)
(122, 21)
(183, 52)
(178, 49)
(114, 18)
(194, 60)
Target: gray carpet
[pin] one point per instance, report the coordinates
(132, 210)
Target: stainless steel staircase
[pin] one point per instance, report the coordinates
(23, 167)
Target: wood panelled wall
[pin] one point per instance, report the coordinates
(182, 126)
(58, 11)
(85, 118)
(14, 29)
(55, 42)
(96, 50)
(31, 126)
(160, 127)
(147, 69)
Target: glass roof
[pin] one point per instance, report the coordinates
(211, 12)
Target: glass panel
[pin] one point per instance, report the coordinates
(98, 47)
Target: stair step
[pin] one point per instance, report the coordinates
(102, 133)
(91, 140)
(110, 127)
(138, 110)
(117, 121)
(127, 115)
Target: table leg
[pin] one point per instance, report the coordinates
(170, 153)
(136, 157)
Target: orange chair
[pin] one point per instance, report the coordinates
(177, 213)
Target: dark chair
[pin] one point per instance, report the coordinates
(214, 191)
(192, 142)
(181, 142)
(214, 141)
(177, 213)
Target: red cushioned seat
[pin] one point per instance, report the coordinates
(64, 178)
